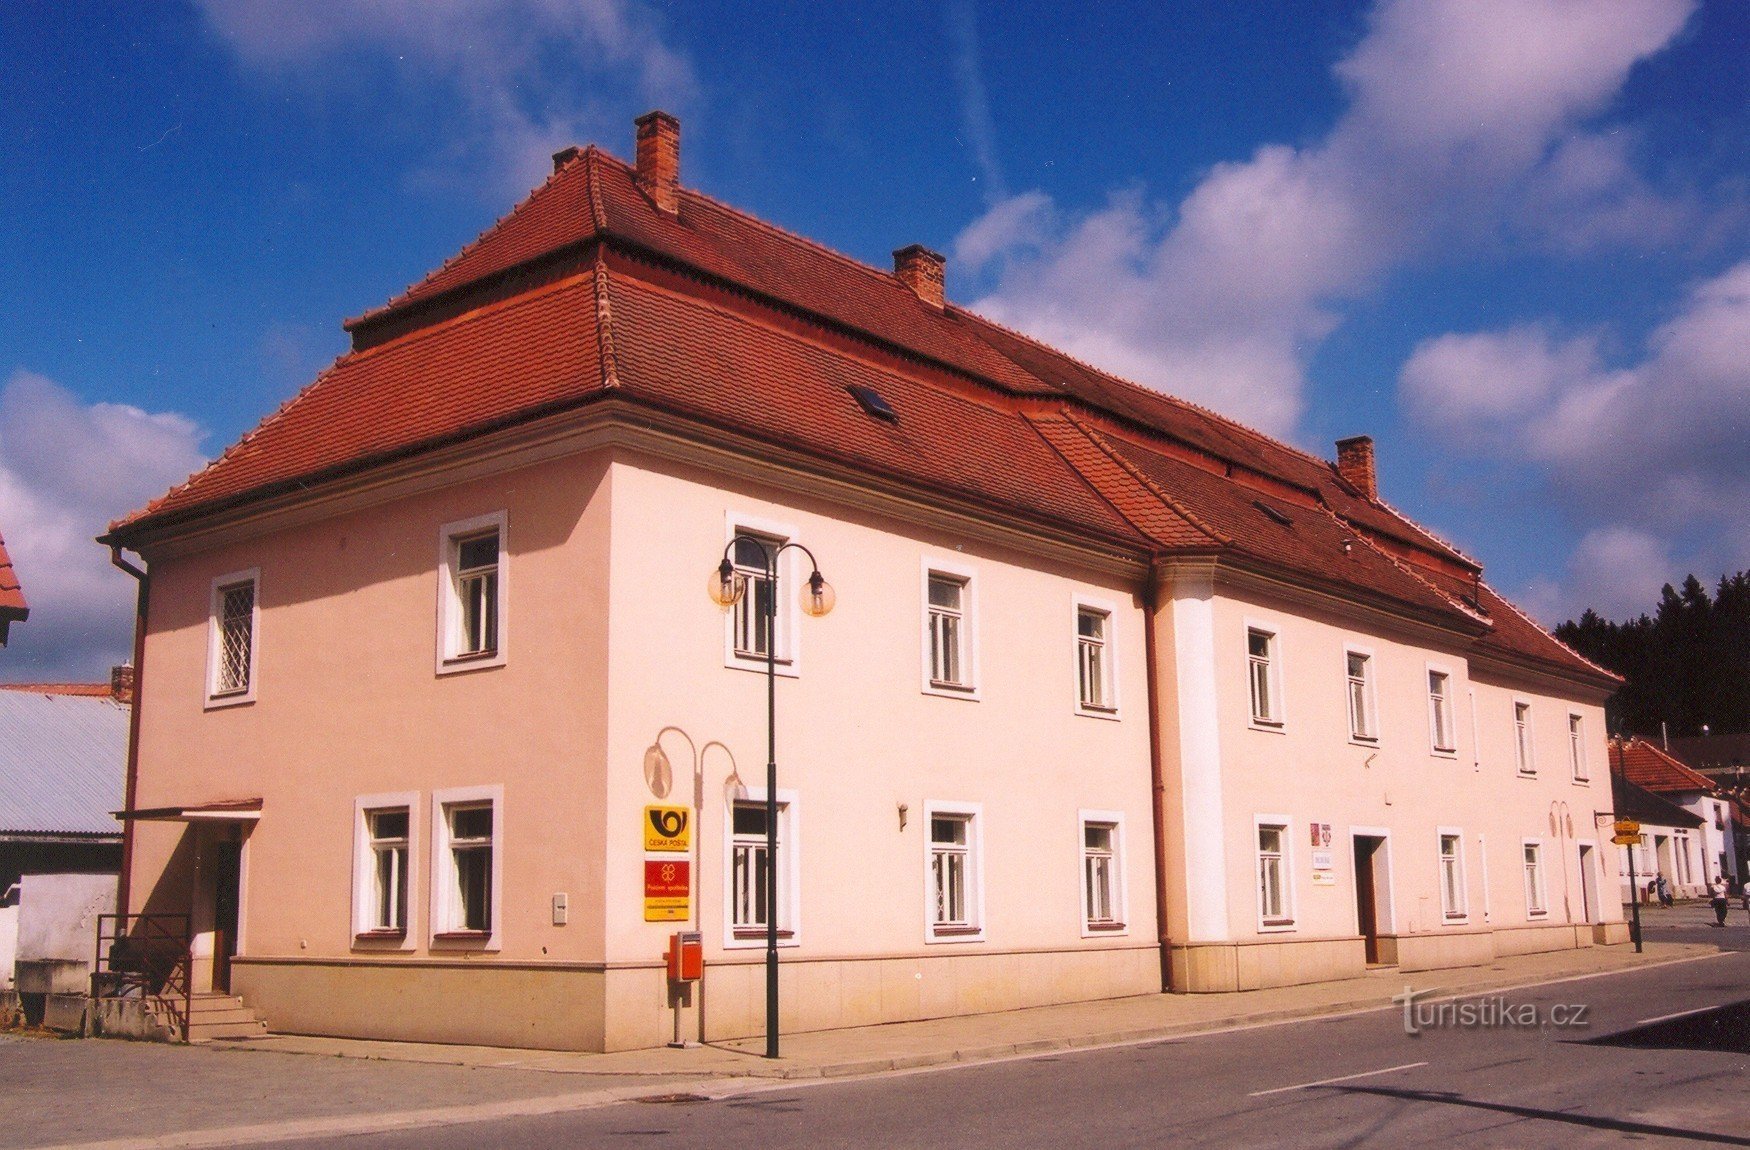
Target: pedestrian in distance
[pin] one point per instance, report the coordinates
(1664, 891)
(1717, 895)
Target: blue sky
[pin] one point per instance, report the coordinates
(1511, 240)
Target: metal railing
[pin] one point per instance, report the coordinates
(146, 956)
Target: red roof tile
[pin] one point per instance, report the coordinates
(80, 690)
(1645, 765)
(13, 608)
(586, 289)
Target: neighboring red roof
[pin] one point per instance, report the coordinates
(1645, 765)
(13, 608)
(588, 293)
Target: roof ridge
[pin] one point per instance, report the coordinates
(1364, 538)
(1673, 761)
(1148, 484)
(1385, 505)
(1514, 607)
(605, 323)
(598, 213)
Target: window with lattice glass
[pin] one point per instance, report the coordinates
(237, 636)
(953, 904)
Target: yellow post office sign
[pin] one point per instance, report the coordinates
(668, 829)
(1628, 833)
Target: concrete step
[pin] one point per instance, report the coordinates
(213, 1016)
(211, 1003)
(206, 1032)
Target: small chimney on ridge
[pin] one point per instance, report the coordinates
(659, 158)
(121, 684)
(565, 155)
(1355, 464)
(923, 271)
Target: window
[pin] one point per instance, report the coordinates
(746, 869)
(1577, 747)
(382, 866)
(1536, 903)
(231, 644)
(1522, 756)
(1096, 684)
(950, 630)
(466, 865)
(1454, 905)
(1362, 723)
(471, 594)
(761, 624)
(1102, 873)
(1265, 681)
(1440, 726)
(1275, 908)
(955, 891)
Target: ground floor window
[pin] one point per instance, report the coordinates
(1536, 900)
(466, 862)
(955, 870)
(748, 865)
(1102, 873)
(383, 865)
(1454, 905)
(1275, 900)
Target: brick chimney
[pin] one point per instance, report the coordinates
(1355, 464)
(923, 271)
(565, 155)
(121, 683)
(659, 158)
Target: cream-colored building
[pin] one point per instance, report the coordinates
(1117, 694)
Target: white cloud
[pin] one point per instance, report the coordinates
(66, 470)
(975, 118)
(532, 75)
(1224, 298)
(1652, 452)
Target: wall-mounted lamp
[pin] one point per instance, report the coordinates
(903, 811)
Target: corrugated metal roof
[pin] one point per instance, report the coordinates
(63, 761)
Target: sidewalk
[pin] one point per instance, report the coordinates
(982, 1037)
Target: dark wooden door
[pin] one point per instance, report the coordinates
(1366, 906)
(227, 870)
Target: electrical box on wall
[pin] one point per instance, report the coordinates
(561, 908)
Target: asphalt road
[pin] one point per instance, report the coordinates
(1624, 1073)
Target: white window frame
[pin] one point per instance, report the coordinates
(1536, 893)
(1108, 655)
(789, 870)
(1524, 742)
(1286, 921)
(1369, 737)
(216, 698)
(1119, 924)
(1458, 913)
(1277, 719)
(973, 930)
(967, 577)
(364, 929)
(786, 625)
(1577, 747)
(1441, 707)
(451, 659)
(443, 911)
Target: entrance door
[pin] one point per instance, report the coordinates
(1367, 894)
(227, 869)
(1588, 885)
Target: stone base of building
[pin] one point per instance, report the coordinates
(601, 1008)
(1220, 967)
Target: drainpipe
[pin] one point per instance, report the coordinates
(1157, 779)
(143, 585)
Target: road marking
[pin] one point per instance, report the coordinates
(1332, 1081)
(1669, 1017)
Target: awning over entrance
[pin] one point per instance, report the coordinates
(233, 810)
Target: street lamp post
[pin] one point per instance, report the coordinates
(727, 587)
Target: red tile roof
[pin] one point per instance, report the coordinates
(586, 293)
(13, 608)
(80, 690)
(1645, 765)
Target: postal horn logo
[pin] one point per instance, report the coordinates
(668, 822)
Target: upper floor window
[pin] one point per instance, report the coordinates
(1522, 748)
(755, 619)
(472, 593)
(1577, 747)
(1440, 725)
(761, 625)
(955, 873)
(1263, 675)
(233, 626)
(950, 630)
(1096, 688)
(1362, 721)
